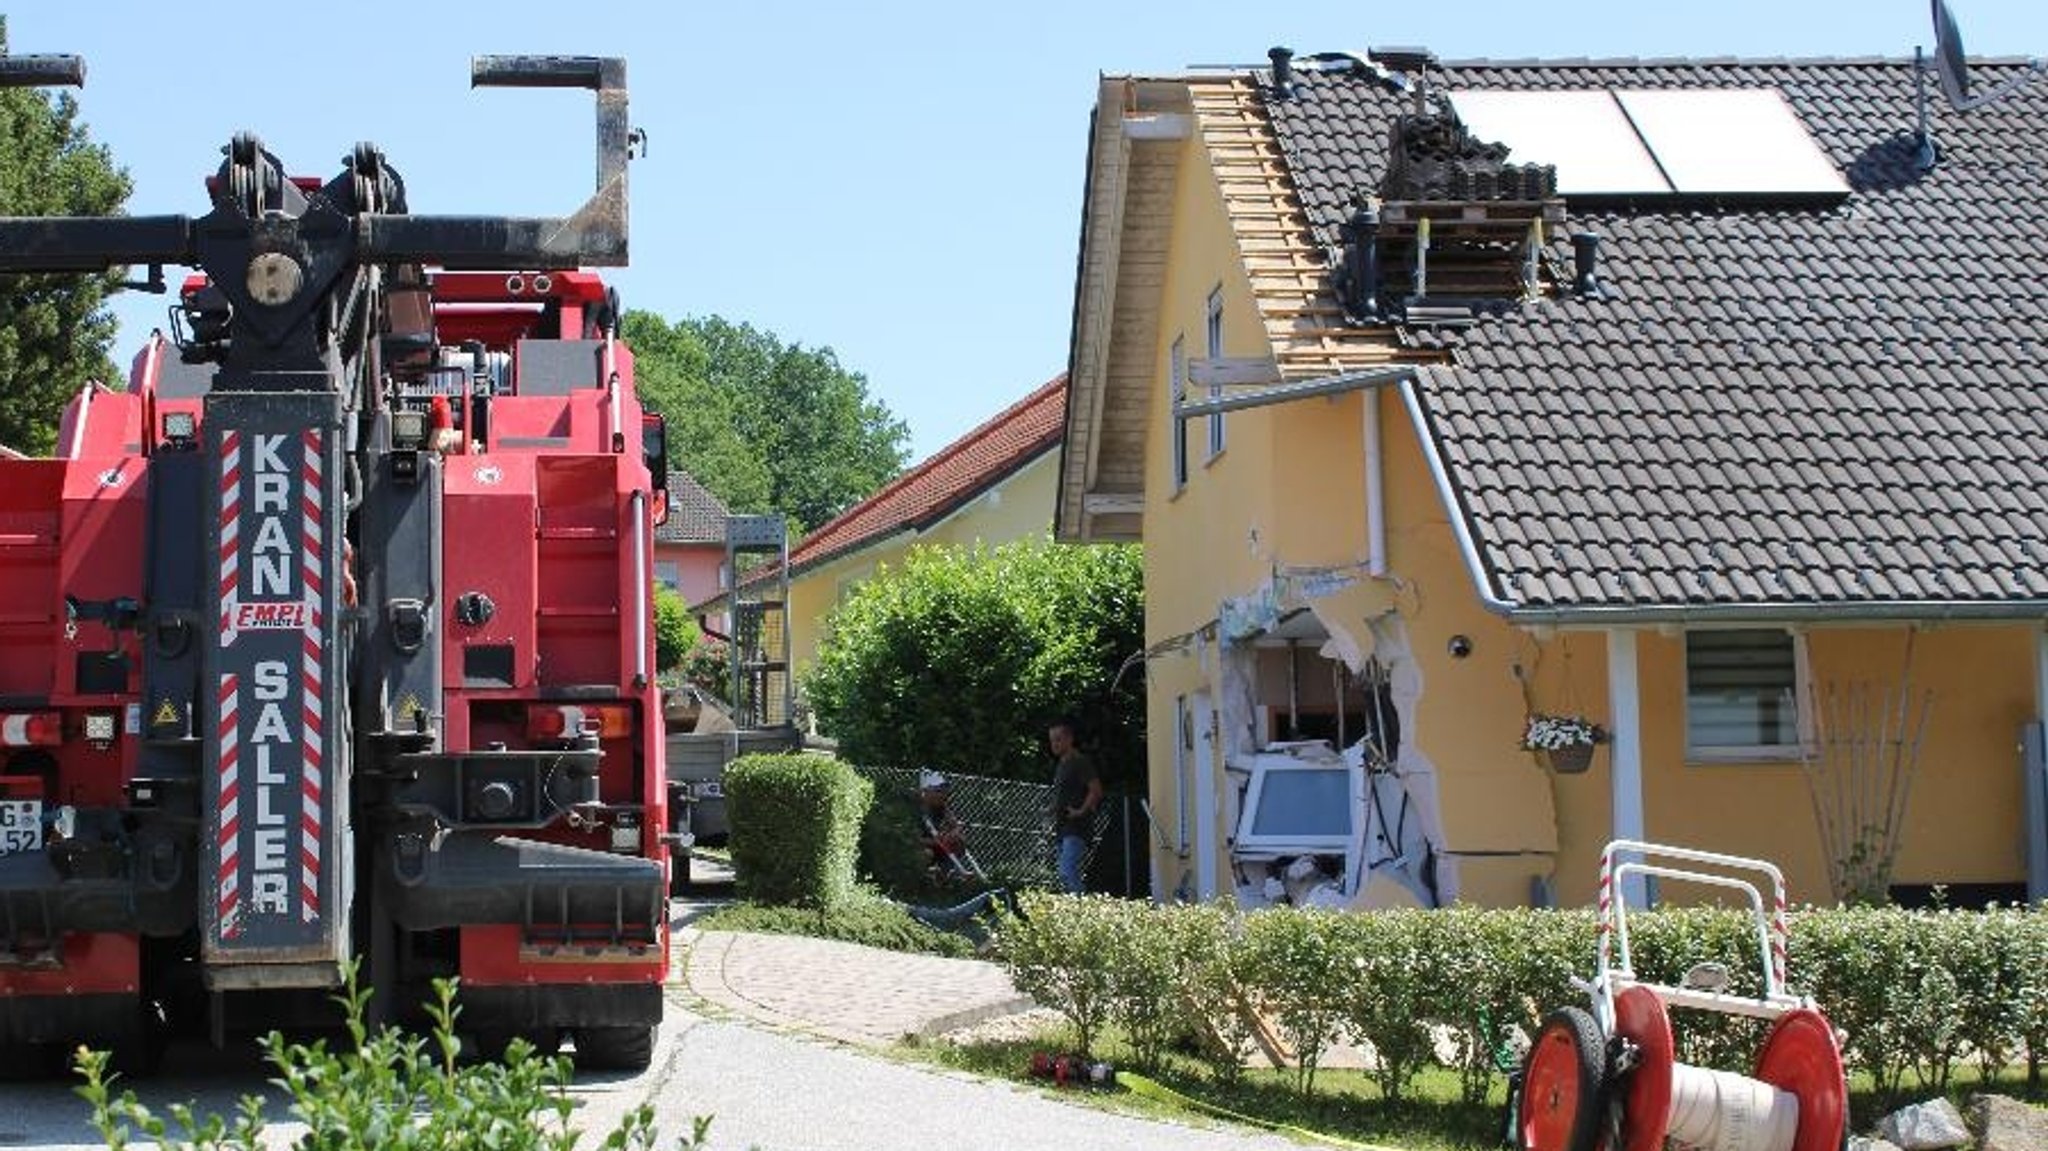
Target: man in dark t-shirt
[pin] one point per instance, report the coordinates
(1076, 793)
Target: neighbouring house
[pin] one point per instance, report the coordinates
(1695, 399)
(689, 549)
(990, 486)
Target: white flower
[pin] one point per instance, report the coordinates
(1550, 732)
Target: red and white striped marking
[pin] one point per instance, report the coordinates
(312, 782)
(229, 894)
(1780, 929)
(230, 530)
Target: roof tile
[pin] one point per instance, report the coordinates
(1780, 403)
(943, 483)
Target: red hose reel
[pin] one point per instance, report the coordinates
(1609, 1079)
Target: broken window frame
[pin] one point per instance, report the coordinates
(1262, 767)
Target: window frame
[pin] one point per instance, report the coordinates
(1212, 329)
(1262, 768)
(1802, 746)
(1178, 366)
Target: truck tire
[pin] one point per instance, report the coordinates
(614, 1048)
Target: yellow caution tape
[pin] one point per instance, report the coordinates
(1147, 1087)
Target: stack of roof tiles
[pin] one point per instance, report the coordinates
(1787, 405)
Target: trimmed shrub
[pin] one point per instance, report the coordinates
(1914, 992)
(1297, 974)
(795, 828)
(1054, 954)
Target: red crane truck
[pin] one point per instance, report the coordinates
(328, 641)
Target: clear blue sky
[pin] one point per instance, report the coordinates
(898, 182)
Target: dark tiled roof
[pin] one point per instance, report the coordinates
(695, 516)
(1790, 406)
(938, 486)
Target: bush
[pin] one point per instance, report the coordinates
(871, 921)
(675, 633)
(1914, 992)
(1296, 972)
(959, 659)
(1053, 954)
(892, 852)
(795, 823)
(708, 665)
(389, 1090)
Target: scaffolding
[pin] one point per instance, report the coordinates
(757, 571)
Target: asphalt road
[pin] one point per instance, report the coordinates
(766, 1090)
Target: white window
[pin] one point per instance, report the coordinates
(1180, 427)
(1742, 694)
(1214, 328)
(1299, 807)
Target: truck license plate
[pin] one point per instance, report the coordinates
(21, 825)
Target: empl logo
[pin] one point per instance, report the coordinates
(283, 615)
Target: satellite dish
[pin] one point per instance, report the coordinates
(1949, 59)
(1954, 68)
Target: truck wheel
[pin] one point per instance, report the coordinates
(139, 1051)
(679, 871)
(614, 1048)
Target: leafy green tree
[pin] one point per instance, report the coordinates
(54, 330)
(766, 426)
(675, 633)
(961, 658)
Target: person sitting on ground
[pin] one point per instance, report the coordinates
(940, 830)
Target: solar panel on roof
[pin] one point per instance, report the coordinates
(1732, 140)
(1583, 133)
(1656, 142)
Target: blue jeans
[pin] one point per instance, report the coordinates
(1073, 849)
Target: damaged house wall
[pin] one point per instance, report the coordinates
(1287, 494)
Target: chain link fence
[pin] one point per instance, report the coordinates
(1008, 829)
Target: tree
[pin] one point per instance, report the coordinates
(766, 426)
(960, 659)
(54, 330)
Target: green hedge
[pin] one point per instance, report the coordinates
(795, 823)
(1917, 993)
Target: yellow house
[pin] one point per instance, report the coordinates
(990, 486)
(1706, 414)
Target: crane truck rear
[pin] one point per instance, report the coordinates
(327, 643)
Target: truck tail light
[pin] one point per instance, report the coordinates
(551, 721)
(31, 729)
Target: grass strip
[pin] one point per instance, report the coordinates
(1155, 1090)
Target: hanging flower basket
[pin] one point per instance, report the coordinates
(1563, 743)
(1569, 760)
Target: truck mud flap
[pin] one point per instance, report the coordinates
(555, 892)
(39, 905)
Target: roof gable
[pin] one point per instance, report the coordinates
(695, 516)
(940, 485)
